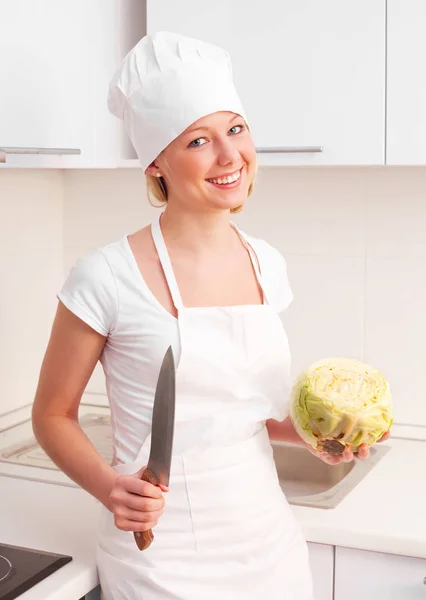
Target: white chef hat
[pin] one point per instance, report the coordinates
(164, 84)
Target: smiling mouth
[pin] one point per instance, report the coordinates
(226, 180)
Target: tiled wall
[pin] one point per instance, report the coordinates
(31, 268)
(354, 240)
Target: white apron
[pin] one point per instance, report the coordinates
(227, 531)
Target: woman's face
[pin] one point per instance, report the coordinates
(215, 147)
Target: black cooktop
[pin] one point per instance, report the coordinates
(21, 568)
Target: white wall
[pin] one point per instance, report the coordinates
(31, 269)
(354, 239)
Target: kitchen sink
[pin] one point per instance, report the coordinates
(304, 478)
(308, 481)
(28, 452)
(21, 456)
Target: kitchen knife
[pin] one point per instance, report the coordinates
(163, 420)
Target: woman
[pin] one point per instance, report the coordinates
(223, 529)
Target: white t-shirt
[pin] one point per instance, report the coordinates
(107, 291)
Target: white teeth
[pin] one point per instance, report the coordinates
(229, 179)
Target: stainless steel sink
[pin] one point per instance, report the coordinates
(308, 481)
(304, 478)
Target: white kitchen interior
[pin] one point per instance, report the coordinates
(335, 100)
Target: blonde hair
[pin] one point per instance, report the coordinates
(157, 187)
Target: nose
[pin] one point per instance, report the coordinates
(227, 152)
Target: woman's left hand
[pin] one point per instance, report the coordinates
(348, 455)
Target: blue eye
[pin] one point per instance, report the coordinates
(235, 126)
(194, 145)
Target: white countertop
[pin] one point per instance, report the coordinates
(384, 512)
(53, 518)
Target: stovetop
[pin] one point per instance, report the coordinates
(21, 568)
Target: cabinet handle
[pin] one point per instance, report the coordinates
(291, 149)
(11, 150)
(424, 580)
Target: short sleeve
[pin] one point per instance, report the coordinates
(90, 292)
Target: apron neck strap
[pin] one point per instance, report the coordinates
(166, 264)
(254, 262)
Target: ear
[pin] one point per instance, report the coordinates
(153, 170)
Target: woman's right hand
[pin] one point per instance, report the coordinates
(137, 505)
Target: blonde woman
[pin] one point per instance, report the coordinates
(193, 280)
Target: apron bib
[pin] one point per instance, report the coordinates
(227, 530)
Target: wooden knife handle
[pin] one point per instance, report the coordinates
(144, 538)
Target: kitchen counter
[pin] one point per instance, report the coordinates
(53, 518)
(384, 512)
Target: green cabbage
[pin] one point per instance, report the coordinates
(339, 402)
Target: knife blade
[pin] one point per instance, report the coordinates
(163, 419)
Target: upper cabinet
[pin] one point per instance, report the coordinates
(406, 84)
(57, 59)
(310, 74)
(323, 83)
(39, 76)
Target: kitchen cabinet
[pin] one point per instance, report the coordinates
(311, 74)
(57, 61)
(406, 86)
(374, 575)
(323, 83)
(321, 558)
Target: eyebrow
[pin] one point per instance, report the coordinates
(206, 128)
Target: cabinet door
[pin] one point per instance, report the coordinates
(43, 79)
(406, 85)
(309, 73)
(321, 558)
(378, 576)
(57, 59)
